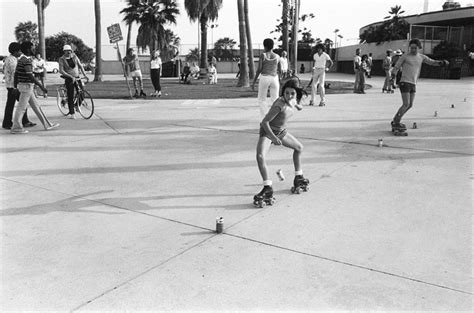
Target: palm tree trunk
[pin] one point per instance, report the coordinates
(295, 36)
(284, 29)
(203, 64)
(129, 36)
(249, 40)
(98, 43)
(244, 75)
(42, 44)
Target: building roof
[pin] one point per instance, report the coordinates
(451, 17)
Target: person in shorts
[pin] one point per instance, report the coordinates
(273, 131)
(39, 69)
(410, 65)
(132, 68)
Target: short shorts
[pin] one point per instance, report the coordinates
(136, 73)
(39, 75)
(407, 87)
(279, 133)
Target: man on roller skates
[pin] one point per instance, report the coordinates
(273, 131)
(410, 65)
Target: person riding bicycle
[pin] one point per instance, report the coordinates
(69, 67)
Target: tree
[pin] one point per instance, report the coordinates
(172, 44)
(203, 11)
(393, 28)
(98, 43)
(26, 31)
(249, 40)
(223, 48)
(244, 75)
(132, 15)
(284, 23)
(153, 15)
(55, 43)
(40, 6)
(193, 55)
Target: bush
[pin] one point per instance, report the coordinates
(55, 43)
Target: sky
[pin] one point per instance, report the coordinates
(77, 17)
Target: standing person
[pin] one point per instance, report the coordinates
(322, 63)
(195, 71)
(9, 67)
(69, 67)
(364, 67)
(273, 131)
(132, 67)
(410, 66)
(302, 69)
(369, 65)
(212, 74)
(357, 63)
(284, 65)
(185, 73)
(155, 73)
(267, 66)
(387, 67)
(25, 81)
(397, 54)
(39, 69)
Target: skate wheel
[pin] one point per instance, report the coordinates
(271, 202)
(262, 204)
(298, 190)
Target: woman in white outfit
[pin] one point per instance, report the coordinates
(267, 67)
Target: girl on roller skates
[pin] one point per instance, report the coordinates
(273, 131)
(410, 65)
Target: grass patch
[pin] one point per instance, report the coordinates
(172, 89)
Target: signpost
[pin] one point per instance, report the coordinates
(115, 35)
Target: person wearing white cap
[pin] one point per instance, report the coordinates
(69, 67)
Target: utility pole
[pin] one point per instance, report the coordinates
(295, 35)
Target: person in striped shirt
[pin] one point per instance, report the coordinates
(25, 81)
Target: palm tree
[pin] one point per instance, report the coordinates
(132, 15)
(98, 42)
(203, 11)
(40, 6)
(249, 40)
(284, 20)
(153, 15)
(26, 31)
(244, 75)
(395, 12)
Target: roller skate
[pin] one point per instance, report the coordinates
(300, 184)
(399, 129)
(322, 104)
(264, 197)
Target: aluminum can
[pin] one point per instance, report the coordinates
(380, 142)
(219, 225)
(280, 175)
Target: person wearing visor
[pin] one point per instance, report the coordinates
(69, 67)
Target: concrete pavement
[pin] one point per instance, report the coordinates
(118, 212)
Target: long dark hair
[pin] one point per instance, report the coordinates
(293, 83)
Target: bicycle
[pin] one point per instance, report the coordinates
(83, 102)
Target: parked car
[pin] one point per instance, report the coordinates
(51, 66)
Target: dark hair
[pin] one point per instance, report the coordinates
(268, 43)
(320, 46)
(13, 47)
(365, 56)
(415, 41)
(358, 50)
(25, 47)
(129, 50)
(370, 54)
(294, 83)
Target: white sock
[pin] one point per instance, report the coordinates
(267, 182)
(300, 172)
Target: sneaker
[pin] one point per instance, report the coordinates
(53, 126)
(71, 116)
(29, 124)
(311, 103)
(142, 93)
(19, 131)
(322, 103)
(159, 93)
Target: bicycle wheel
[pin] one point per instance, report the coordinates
(85, 104)
(61, 100)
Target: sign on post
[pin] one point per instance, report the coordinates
(115, 33)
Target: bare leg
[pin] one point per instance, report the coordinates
(407, 99)
(263, 147)
(290, 141)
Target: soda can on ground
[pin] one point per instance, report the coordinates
(219, 225)
(452, 106)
